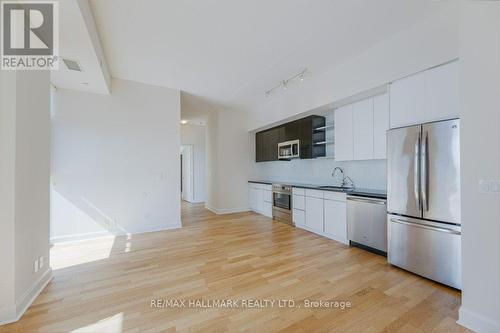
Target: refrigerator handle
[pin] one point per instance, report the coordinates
(416, 173)
(424, 167)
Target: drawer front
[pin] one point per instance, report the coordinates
(268, 209)
(268, 196)
(337, 196)
(314, 193)
(267, 187)
(434, 253)
(256, 186)
(299, 202)
(299, 191)
(299, 217)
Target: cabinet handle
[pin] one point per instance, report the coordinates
(371, 201)
(422, 226)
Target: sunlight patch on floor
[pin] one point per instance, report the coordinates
(113, 324)
(67, 254)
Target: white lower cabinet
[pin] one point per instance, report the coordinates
(267, 197)
(314, 213)
(299, 218)
(299, 202)
(256, 199)
(267, 209)
(336, 220)
(260, 199)
(299, 207)
(322, 212)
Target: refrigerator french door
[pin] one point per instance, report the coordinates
(423, 200)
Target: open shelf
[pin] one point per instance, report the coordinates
(324, 143)
(324, 128)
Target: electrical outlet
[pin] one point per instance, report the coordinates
(35, 265)
(40, 262)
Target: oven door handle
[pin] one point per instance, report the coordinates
(282, 192)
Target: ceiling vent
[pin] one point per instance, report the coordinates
(72, 65)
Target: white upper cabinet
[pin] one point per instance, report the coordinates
(344, 134)
(426, 96)
(441, 88)
(362, 122)
(380, 125)
(407, 100)
(360, 129)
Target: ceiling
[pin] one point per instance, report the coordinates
(214, 50)
(79, 41)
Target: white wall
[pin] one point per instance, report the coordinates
(32, 176)
(432, 42)
(7, 193)
(480, 159)
(228, 161)
(115, 161)
(195, 135)
(24, 194)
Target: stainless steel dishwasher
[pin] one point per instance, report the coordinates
(367, 222)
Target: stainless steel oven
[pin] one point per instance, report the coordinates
(282, 203)
(288, 150)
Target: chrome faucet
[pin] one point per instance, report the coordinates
(346, 180)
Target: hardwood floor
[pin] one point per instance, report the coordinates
(107, 285)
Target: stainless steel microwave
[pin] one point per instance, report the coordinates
(289, 149)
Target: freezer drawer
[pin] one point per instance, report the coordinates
(429, 249)
(366, 222)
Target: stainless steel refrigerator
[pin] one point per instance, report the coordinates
(423, 200)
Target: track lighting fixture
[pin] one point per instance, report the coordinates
(284, 83)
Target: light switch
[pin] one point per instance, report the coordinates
(489, 186)
(484, 186)
(35, 266)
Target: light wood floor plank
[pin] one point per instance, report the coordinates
(106, 285)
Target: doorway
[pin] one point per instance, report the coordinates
(187, 182)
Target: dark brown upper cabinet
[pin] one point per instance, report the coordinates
(311, 140)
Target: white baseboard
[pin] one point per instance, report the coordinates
(82, 236)
(154, 228)
(194, 201)
(14, 313)
(8, 315)
(477, 322)
(106, 234)
(222, 211)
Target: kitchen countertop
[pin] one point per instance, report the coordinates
(361, 192)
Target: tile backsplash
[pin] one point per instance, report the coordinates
(365, 174)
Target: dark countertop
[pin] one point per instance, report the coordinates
(361, 192)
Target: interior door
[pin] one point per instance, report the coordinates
(403, 171)
(441, 171)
